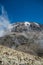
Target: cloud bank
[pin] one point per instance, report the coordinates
(4, 22)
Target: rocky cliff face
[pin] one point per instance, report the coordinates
(24, 36)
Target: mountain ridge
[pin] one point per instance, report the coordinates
(26, 34)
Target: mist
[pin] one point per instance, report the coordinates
(4, 22)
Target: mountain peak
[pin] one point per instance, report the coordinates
(28, 34)
(26, 26)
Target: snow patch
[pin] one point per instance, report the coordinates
(36, 24)
(27, 23)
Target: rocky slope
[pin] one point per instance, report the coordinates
(9, 56)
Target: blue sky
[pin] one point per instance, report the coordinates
(24, 10)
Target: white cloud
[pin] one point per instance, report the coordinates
(4, 22)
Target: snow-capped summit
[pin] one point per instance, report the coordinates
(26, 26)
(27, 23)
(23, 27)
